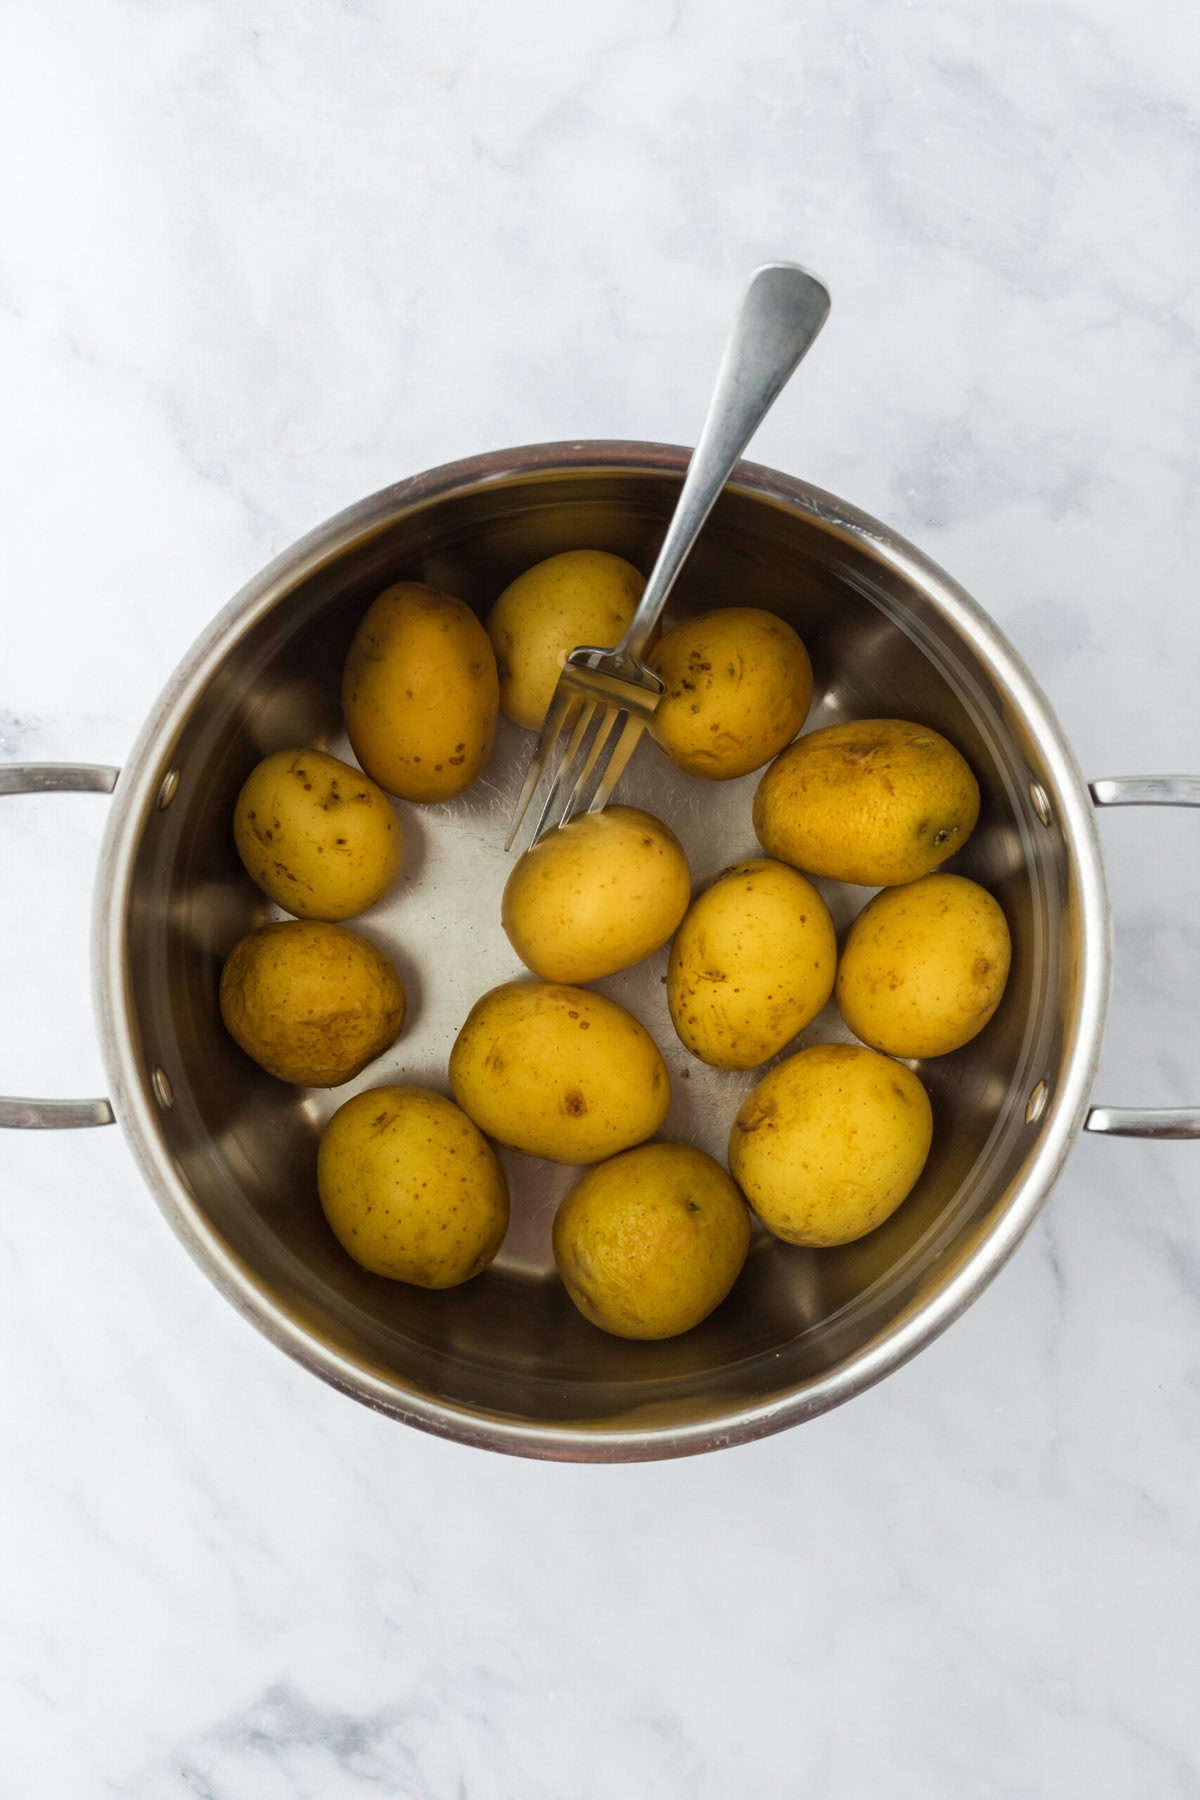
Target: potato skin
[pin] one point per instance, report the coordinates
(830, 1142)
(648, 1243)
(597, 895)
(311, 1002)
(410, 1188)
(419, 693)
(317, 836)
(577, 597)
(752, 964)
(738, 688)
(873, 801)
(924, 966)
(559, 1072)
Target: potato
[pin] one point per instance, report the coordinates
(597, 895)
(318, 837)
(924, 967)
(650, 1242)
(559, 1072)
(410, 1188)
(738, 688)
(578, 597)
(830, 1142)
(419, 693)
(311, 1002)
(752, 964)
(876, 801)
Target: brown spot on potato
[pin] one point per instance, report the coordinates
(762, 1114)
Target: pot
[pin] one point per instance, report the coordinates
(505, 1361)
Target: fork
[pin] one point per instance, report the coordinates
(605, 698)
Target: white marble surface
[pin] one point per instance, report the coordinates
(255, 262)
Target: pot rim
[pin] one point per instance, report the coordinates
(130, 1088)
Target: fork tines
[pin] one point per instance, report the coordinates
(598, 721)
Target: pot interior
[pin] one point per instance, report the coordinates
(508, 1350)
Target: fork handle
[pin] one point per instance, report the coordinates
(781, 313)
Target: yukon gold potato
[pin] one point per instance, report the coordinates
(875, 801)
(311, 1002)
(751, 965)
(924, 967)
(830, 1142)
(738, 689)
(559, 1072)
(597, 895)
(411, 1189)
(419, 693)
(578, 597)
(318, 837)
(650, 1242)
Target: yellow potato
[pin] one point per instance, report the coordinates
(419, 693)
(559, 1072)
(875, 801)
(830, 1142)
(318, 837)
(751, 965)
(312, 1003)
(924, 967)
(738, 688)
(650, 1242)
(578, 597)
(597, 895)
(410, 1188)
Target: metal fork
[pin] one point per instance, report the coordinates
(605, 698)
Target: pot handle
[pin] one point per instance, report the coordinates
(55, 778)
(1146, 1121)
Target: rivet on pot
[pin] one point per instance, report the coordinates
(1036, 1104)
(166, 793)
(164, 1093)
(1041, 802)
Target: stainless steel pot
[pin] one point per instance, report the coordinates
(506, 1362)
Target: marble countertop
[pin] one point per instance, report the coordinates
(257, 262)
